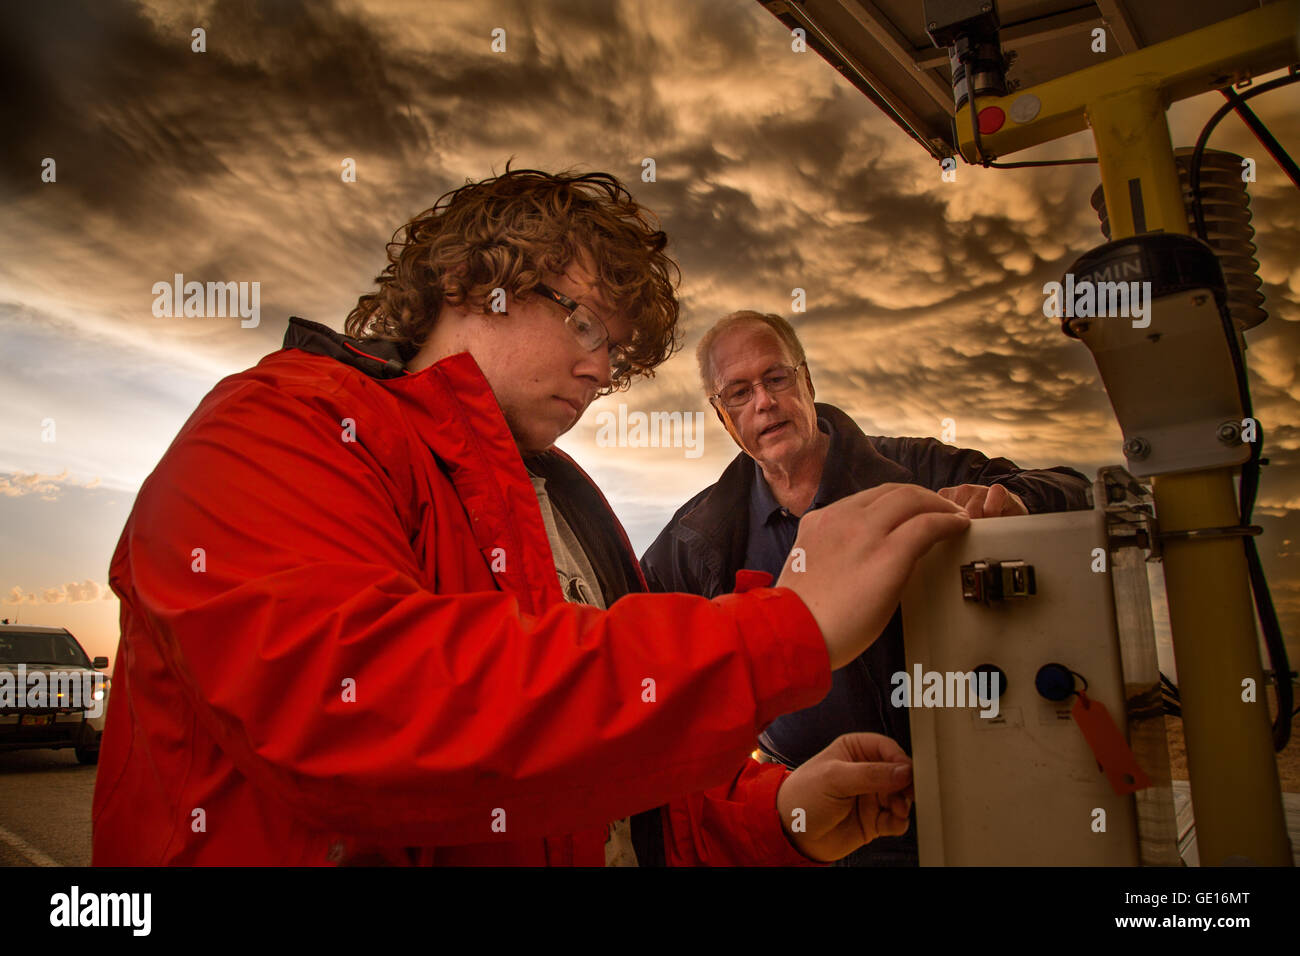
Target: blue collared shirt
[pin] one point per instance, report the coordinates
(772, 528)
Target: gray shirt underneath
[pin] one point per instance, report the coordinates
(579, 584)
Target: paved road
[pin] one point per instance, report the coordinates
(45, 800)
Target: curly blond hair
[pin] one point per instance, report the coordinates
(505, 232)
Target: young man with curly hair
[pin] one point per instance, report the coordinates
(371, 614)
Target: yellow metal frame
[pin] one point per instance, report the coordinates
(1235, 788)
(1230, 51)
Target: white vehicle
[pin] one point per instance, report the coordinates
(51, 695)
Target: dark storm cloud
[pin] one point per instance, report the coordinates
(719, 230)
(133, 116)
(65, 66)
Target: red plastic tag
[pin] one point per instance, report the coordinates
(1108, 745)
(747, 580)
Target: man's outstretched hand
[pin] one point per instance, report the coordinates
(851, 559)
(985, 501)
(857, 789)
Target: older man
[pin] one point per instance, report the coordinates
(797, 456)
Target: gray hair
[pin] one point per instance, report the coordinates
(783, 330)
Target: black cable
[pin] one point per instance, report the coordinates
(1169, 696)
(1266, 138)
(1194, 176)
(1269, 624)
(1168, 686)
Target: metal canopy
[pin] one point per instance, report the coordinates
(882, 47)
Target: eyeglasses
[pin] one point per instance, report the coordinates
(779, 379)
(582, 322)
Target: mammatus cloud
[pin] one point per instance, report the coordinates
(923, 297)
(15, 484)
(74, 592)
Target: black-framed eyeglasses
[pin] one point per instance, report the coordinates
(582, 322)
(779, 379)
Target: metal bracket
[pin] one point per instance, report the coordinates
(1130, 511)
(1230, 531)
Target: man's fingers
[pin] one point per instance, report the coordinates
(884, 822)
(863, 499)
(890, 824)
(905, 502)
(970, 497)
(913, 539)
(865, 747)
(995, 501)
(848, 779)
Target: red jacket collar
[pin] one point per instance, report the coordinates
(455, 413)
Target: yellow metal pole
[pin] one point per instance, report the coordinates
(1136, 158)
(1236, 794)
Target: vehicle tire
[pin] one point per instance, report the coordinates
(87, 748)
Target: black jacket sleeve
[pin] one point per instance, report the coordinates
(937, 465)
(669, 564)
(680, 561)
(656, 563)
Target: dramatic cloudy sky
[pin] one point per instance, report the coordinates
(923, 297)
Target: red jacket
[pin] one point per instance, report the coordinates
(319, 663)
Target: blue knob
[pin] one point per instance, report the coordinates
(1054, 681)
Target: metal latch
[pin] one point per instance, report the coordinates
(988, 581)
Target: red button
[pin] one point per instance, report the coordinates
(991, 119)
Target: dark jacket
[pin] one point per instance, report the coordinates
(703, 546)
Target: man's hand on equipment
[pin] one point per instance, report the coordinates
(857, 789)
(851, 559)
(986, 501)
